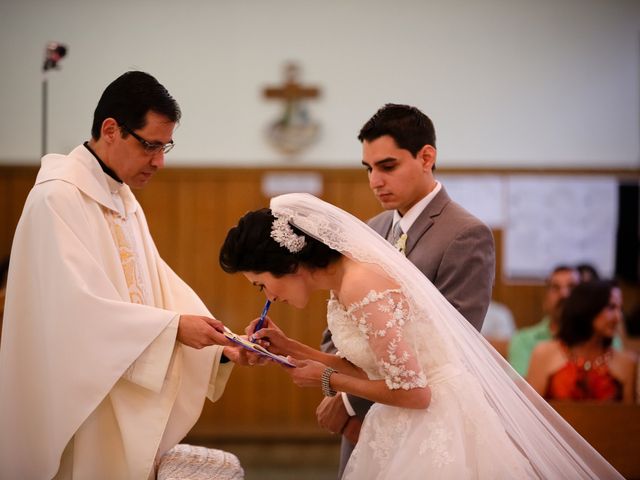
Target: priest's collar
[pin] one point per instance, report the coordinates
(103, 165)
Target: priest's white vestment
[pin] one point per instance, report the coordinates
(86, 367)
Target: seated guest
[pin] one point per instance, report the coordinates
(587, 272)
(580, 363)
(558, 287)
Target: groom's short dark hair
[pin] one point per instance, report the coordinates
(409, 127)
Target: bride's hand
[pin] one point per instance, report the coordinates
(308, 373)
(268, 323)
(271, 337)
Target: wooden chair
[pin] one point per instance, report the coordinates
(613, 429)
(501, 345)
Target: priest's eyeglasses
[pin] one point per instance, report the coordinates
(149, 147)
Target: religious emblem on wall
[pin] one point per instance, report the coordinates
(294, 130)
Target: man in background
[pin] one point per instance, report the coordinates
(453, 249)
(106, 355)
(558, 287)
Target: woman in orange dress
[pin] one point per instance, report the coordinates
(579, 364)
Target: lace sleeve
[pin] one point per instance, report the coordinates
(382, 317)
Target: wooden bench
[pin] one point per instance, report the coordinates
(612, 429)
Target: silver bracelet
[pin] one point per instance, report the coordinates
(326, 385)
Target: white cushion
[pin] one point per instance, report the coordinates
(184, 462)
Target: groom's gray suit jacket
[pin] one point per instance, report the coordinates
(454, 250)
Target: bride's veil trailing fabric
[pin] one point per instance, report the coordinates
(554, 449)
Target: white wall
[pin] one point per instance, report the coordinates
(507, 82)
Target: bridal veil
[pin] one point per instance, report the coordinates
(554, 449)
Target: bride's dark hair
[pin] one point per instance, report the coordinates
(250, 248)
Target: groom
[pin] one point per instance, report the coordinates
(453, 249)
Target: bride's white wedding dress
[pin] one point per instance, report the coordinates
(457, 436)
(484, 421)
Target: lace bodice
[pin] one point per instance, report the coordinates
(380, 335)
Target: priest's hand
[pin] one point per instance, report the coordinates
(198, 331)
(242, 356)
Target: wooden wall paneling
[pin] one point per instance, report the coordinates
(199, 202)
(189, 213)
(499, 290)
(350, 191)
(523, 299)
(271, 393)
(6, 213)
(158, 201)
(290, 409)
(232, 300)
(245, 404)
(16, 184)
(525, 302)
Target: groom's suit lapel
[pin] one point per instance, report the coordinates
(426, 219)
(385, 228)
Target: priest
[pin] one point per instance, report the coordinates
(106, 355)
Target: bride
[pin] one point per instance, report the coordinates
(447, 405)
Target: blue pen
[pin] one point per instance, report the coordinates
(262, 316)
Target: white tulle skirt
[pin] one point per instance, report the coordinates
(457, 437)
